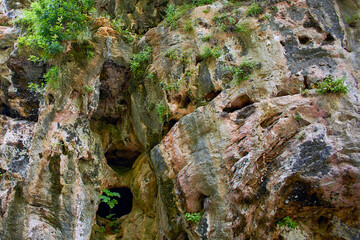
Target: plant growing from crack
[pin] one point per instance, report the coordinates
(193, 217)
(51, 79)
(286, 221)
(108, 198)
(242, 72)
(139, 60)
(49, 27)
(163, 112)
(331, 85)
(211, 52)
(297, 117)
(254, 10)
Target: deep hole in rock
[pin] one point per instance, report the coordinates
(269, 121)
(304, 39)
(329, 39)
(121, 157)
(5, 110)
(168, 125)
(123, 207)
(238, 103)
(51, 99)
(211, 95)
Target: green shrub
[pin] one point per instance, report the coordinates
(243, 72)
(210, 52)
(52, 77)
(138, 61)
(173, 54)
(207, 38)
(224, 21)
(193, 217)
(352, 20)
(243, 29)
(330, 85)
(297, 117)
(202, 2)
(173, 14)
(189, 25)
(253, 10)
(274, 9)
(108, 198)
(168, 86)
(286, 221)
(163, 112)
(179, 55)
(101, 229)
(89, 89)
(120, 27)
(49, 24)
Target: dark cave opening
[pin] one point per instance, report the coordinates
(123, 207)
(121, 158)
(304, 39)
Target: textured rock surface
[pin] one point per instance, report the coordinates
(183, 137)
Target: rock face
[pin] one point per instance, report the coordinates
(223, 121)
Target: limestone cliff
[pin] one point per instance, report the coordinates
(225, 130)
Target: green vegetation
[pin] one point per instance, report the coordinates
(89, 89)
(193, 217)
(206, 11)
(254, 10)
(163, 112)
(331, 85)
(286, 221)
(108, 198)
(49, 27)
(300, 136)
(120, 27)
(173, 14)
(173, 54)
(188, 73)
(51, 78)
(243, 29)
(298, 117)
(101, 229)
(274, 9)
(179, 55)
(243, 71)
(151, 76)
(352, 20)
(207, 38)
(189, 25)
(50, 24)
(114, 223)
(266, 17)
(139, 60)
(36, 88)
(169, 86)
(202, 2)
(225, 22)
(34, 59)
(211, 52)
(304, 92)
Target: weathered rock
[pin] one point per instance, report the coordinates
(250, 158)
(257, 150)
(138, 15)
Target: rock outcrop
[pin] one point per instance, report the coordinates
(225, 123)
